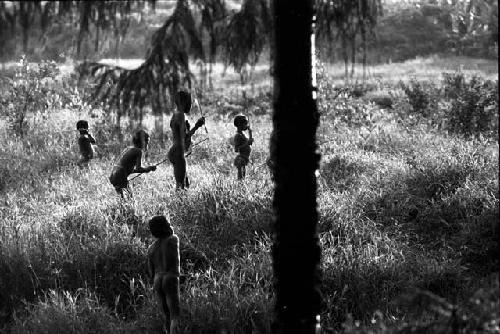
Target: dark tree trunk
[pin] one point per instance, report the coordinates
(84, 25)
(363, 41)
(353, 55)
(210, 71)
(296, 251)
(96, 42)
(158, 107)
(118, 127)
(25, 20)
(346, 57)
(117, 47)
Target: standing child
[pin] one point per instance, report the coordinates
(181, 138)
(242, 145)
(130, 162)
(85, 142)
(164, 268)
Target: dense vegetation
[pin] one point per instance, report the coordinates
(408, 203)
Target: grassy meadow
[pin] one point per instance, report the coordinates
(408, 221)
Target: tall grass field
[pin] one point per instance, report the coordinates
(407, 198)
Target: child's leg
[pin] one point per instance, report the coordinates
(120, 192)
(244, 171)
(162, 300)
(129, 190)
(171, 288)
(240, 173)
(83, 162)
(180, 172)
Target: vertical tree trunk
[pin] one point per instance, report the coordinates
(96, 42)
(84, 25)
(353, 55)
(25, 18)
(210, 73)
(117, 48)
(346, 58)
(296, 251)
(118, 127)
(363, 36)
(158, 108)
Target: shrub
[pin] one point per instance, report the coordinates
(473, 104)
(422, 96)
(341, 104)
(35, 90)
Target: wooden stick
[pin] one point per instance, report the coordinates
(153, 165)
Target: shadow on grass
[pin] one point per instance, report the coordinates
(444, 213)
(359, 286)
(341, 174)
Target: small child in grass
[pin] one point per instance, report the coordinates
(164, 268)
(242, 145)
(85, 142)
(130, 162)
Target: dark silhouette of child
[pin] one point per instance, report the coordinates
(164, 268)
(130, 161)
(181, 138)
(85, 142)
(242, 145)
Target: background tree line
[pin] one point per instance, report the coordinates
(169, 35)
(388, 29)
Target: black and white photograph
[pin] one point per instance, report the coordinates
(249, 167)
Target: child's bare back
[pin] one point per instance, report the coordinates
(164, 268)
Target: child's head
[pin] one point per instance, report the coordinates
(160, 227)
(82, 125)
(141, 139)
(183, 101)
(241, 122)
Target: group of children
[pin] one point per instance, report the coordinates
(163, 254)
(130, 161)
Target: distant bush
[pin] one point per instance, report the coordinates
(342, 104)
(26, 93)
(35, 90)
(422, 96)
(472, 105)
(383, 100)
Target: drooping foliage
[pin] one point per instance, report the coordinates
(247, 33)
(112, 16)
(197, 29)
(213, 21)
(242, 37)
(166, 66)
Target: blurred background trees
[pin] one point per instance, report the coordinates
(385, 29)
(173, 35)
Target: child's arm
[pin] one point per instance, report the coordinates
(92, 139)
(138, 166)
(199, 123)
(175, 250)
(151, 267)
(250, 140)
